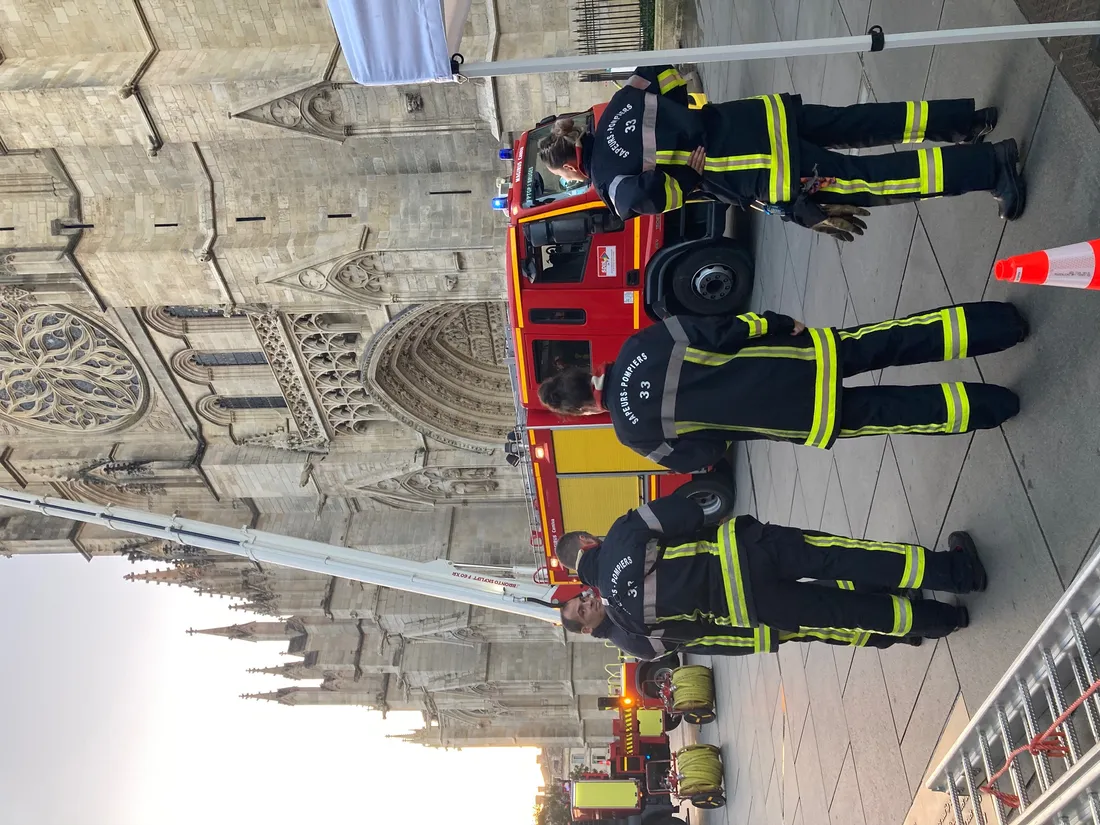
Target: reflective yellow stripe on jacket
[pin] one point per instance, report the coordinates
(825, 389)
(777, 160)
(733, 578)
(670, 79)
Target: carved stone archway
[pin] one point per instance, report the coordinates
(440, 369)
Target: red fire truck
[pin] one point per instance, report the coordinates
(580, 281)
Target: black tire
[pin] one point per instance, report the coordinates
(700, 717)
(661, 815)
(648, 673)
(709, 801)
(715, 280)
(713, 493)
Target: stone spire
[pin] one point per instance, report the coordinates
(181, 576)
(252, 632)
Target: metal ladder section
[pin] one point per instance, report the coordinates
(1053, 671)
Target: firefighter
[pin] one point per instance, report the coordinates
(680, 392)
(667, 583)
(650, 151)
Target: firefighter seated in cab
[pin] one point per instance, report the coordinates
(664, 582)
(650, 152)
(680, 392)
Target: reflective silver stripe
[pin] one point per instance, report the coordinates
(909, 574)
(661, 452)
(780, 149)
(638, 82)
(672, 376)
(954, 423)
(649, 599)
(903, 616)
(649, 132)
(651, 521)
(763, 635)
(611, 194)
(652, 553)
(655, 640)
(955, 332)
(824, 384)
(737, 607)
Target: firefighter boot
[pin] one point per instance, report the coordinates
(1022, 324)
(962, 617)
(1009, 190)
(984, 122)
(971, 570)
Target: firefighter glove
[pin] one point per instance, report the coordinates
(842, 222)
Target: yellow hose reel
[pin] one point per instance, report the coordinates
(693, 694)
(699, 776)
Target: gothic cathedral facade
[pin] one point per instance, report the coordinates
(237, 285)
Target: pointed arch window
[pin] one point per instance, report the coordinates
(229, 359)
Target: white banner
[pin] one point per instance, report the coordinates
(394, 42)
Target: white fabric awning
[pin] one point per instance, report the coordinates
(391, 42)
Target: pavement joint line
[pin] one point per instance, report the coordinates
(878, 475)
(904, 492)
(954, 489)
(1031, 504)
(936, 258)
(1030, 145)
(923, 679)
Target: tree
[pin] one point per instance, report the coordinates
(553, 809)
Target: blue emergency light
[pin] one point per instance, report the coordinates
(500, 203)
(504, 154)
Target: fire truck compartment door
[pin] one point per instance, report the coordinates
(607, 794)
(597, 451)
(593, 504)
(650, 723)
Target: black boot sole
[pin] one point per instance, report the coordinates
(960, 540)
(963, 620)
(1023, 324)
(1007, 153)
(987, 127)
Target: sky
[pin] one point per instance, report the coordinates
(110, 714)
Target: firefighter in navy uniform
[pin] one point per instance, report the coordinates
(650, 151)
(668, 583)
(681, 391)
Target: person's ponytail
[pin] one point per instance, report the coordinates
(560, 146)
(568, 392)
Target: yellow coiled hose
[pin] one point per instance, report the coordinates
(698, 770)
(692, 689)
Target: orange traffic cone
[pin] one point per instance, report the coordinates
(1076, 266)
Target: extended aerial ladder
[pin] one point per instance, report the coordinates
(1043, 720)
(514, 590)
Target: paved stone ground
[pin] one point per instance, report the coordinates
(817, 734)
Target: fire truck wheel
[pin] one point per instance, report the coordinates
(716, 280)
(709, 801)
(711, 492)
(649, 675)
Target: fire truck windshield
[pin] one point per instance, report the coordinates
(540, 185)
